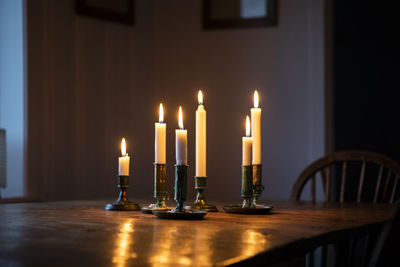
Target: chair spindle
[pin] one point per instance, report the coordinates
(396, 180)
(360, 186)
(323, 179)
(386, 185)
(311, 259)
(343, 186)
(328, 185)
(378, 184)
(364, 252)
(324, 255)
(313, 188)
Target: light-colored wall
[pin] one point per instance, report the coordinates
(12, 93)
(92, 82)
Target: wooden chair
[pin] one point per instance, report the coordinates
(339, 171)
(324, 166)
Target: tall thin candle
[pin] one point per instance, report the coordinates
(256, 130)
(201, 117)
(160, 138)
(181, 141)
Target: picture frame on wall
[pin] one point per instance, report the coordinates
(225, 14)
(121, 11)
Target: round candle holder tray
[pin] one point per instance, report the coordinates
(238, 209)
(180, 215)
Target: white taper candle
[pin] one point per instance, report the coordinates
(123, 162)
(181, 142)
(247, 142)
(160, 138)
(201, 117)
(256, 130)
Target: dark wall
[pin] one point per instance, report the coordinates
(366, 76)
(366, 85)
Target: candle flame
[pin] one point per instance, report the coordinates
(123, 147)
(180, 121)
(247, 126)
(255, 99)
(200, 97)
(161, 114)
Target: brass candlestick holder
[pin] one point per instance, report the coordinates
(180, 196)
(160, 191)
(247, 186)
(122, 202)
(257, 185)
(251, 190)
(200, 202)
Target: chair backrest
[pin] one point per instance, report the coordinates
(385, 187)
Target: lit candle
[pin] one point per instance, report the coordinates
(123, 166)
(256, 130)
(181, 142)
(201, 117)
(247, 142)
(160, 137)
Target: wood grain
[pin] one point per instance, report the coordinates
(78, 233)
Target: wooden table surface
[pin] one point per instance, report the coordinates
(82, 233)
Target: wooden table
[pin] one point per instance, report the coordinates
(82, 233)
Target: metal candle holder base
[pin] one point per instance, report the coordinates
(160, 191)
(180, 196)
(257, 185)
(200, 202)
(122, 202)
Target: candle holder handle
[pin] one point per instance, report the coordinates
(247, 186)
(180, 187)
(200, 203)
(257, 184)
(122, 203)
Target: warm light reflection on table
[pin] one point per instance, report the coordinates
(253, 243)
(164, 243)
(204, 243)
(122, 252)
